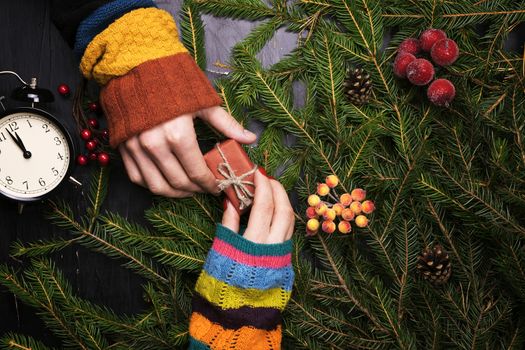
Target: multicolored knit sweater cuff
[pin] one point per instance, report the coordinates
(240, 294)
(101, 18)
(147, 75)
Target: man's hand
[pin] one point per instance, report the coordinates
(167, 160)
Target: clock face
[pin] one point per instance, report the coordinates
(35, 154)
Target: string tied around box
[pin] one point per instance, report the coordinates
(244, 195)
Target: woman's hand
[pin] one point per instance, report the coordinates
(271, 218)
(167, 160)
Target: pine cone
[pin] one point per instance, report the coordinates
(434, 265)
(358, 85)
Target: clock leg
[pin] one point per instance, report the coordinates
(75, 181)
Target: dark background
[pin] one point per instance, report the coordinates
(32, 46)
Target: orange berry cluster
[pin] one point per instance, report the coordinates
(347, 207)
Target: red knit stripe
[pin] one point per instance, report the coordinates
(231, 252)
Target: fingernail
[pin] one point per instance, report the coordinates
(263, 171)
(248, 132)
(225, 204)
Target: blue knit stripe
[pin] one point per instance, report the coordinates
(101, 18)
(197, 345)
(243, 276)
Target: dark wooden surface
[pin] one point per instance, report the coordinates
(31, 46)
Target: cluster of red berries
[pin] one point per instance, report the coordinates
(420, 71)
(347, 207)
(94, 139)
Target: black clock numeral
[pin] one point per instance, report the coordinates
(13, 126)
(41, 182)
(9, 180)
(2, 137)
(55, 172)
(60, 156)
(27, 185)
(46, 127)
(28, 122)
(57, 140)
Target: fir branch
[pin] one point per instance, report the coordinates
(105, 245)
(359, 154)
(344, 285)
(40, 247)
(246, 9)
(483, 200)
(97, 195)
(13, 341)
(299, 125)
(192, 32)
(448, 236)
(200, 203)
(34, 290)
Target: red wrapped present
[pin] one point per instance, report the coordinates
(235, 171)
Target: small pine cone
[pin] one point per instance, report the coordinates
(357, 85)
(434, 265)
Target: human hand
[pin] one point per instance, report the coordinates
(167, 160)
(272, 217)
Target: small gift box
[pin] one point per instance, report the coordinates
(235, 171)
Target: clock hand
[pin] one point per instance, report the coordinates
(20, 144)
(27, 154)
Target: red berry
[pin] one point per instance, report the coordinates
(105, 134)
(91, 145)
(420, 72)
(103, 158)
(82, 159)
(85, 134)
(429, 37)
(94, 107)
(92, 156)
(93, 123)
(410, 45)
(444, 52)
(63, 89)
(401, 63)
(441, 92)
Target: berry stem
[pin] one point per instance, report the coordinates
(336, 197)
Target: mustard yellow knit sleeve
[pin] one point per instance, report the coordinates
(147, 75)
(139, 36)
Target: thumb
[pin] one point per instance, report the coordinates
(223, 122)
(230, 218)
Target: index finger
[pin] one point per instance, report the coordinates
(183, 142)
(262, 210)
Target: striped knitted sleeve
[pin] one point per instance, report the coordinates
(240, 294)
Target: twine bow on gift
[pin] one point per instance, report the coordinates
(244, 195)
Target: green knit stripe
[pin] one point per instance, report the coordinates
(197, 345)
(249, 247)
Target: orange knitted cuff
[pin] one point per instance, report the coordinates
(154, 92)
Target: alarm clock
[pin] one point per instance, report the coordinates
(36, 153)
(36, 150)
